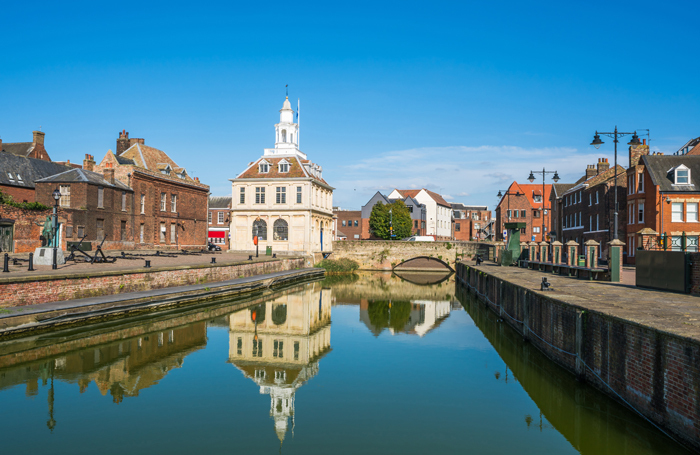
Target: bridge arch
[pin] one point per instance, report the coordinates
(423, 263)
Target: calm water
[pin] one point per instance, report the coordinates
(366, 364)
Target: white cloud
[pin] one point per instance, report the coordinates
(480, 171)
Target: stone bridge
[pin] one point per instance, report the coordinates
(387, 255)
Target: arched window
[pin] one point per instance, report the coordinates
(260, 229)
(279, 313)
(280, 230)
(284, 135)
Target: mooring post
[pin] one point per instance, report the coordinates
(6, 264)
(31, 262)
(580, 367)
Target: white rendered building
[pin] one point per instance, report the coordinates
(282, 198)
(438, 216)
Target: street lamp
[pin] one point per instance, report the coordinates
(391, 225)
(56, 196)
(508, 193)
(597, 143)
(531, 178)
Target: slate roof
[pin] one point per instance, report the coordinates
(83, 176)
(152, 159)
(598, 179)
(219, 202)
(296, 169)
(459, 206)
(18, 148)
(561, 188)
(29, 169)
(659, 167)
(436, 197)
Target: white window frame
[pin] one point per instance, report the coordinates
(640, 178)
(173, 203)
(143, 204)
(264, 167)
(220, 218)
(630, 213)
(241, 197)
(675, 175)
(688, 212)
(673, 212)
(65, 195)
(640, 212)
(283, 167)
(163, 202)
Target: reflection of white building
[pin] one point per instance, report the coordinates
(424, 316)
(278, 344)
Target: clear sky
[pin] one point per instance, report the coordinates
(457, 97)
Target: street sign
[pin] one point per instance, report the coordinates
(505, 233)
(533, 238)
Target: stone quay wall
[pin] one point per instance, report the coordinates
(655, 372)
(52, 288)
(384, 255)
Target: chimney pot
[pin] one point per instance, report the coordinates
(644, 142)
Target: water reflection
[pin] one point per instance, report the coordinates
(278, 344)
(415, 317)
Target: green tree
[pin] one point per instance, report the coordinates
(400, 218)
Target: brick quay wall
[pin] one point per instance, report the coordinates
(650, 369)
(51, 288)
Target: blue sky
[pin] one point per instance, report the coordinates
(458, 97)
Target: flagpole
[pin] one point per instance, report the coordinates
(298, 126)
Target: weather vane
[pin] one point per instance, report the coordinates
(286, 87)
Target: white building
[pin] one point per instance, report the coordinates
(282, 198)
(438, 211)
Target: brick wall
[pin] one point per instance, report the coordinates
(350, 217)
(223, 242)
(655, 371)
(28, 226)
(18, 194)
(56, 288)
(513, 203)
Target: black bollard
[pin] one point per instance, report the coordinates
(250, 258)
(148, 264)
(274, 255)
(157, 253)
(213, 260)
(6, 264)
(31, 262)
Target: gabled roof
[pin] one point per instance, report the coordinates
(296, 169)
(29, 169)
(436, 197)
(560, 188)
(690, 147)
(219, 202)
(459, 206)
(529, 190)
(83, 176)
(152, 159)
(659, 167)
(18, 148)
(597, 179)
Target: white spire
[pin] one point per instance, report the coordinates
(286, 133)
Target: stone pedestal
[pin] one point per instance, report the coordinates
(556, 252)
(615, 251)
(533, 251)
(572, 252)
(592, 252)
(44, 256)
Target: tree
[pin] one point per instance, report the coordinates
(399, 218)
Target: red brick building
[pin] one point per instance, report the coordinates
(34, 149)
(472, 222)
(588, 208)
(97, 207)
(349, 222)
(663, 198)
(170, 207)
(525, 203)
(219, 221)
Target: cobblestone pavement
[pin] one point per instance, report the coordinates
(666, 311)
(20, 270)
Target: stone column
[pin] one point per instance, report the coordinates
(556, 252)
(499, 251)
(544, 251)
(572, 252)
(592, 251)
(533, 251)
(615, 251)
(523, 247)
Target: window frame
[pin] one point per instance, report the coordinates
(163, 202)
(674, 212)
(281, 195)
(259, 194)
(64, 201)
(241, 196)
(220, 217)
(688, 212)
(100, 197)
(173, 203)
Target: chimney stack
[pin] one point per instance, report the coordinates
(636, 153)
(122, 142)
(38, 137)
(603, 165)
(108, 173)
(89, 163)
(590, 171)
(0, 144)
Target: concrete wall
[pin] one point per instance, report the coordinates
(384, 255)
(51, 288)
(656, 372)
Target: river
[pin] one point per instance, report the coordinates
(367, 363)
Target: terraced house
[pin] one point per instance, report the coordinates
(282, 198)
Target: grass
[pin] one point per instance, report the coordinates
(343, 265)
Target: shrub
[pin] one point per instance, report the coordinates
(342, 265)
(7, 200)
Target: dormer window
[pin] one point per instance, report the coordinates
(12, 179)
(682, 175)
(283, 166)
(263, 168)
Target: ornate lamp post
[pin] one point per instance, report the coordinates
(507, 193)
(597, 143)
(56, 196)
(531, 178)
(391, 225)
